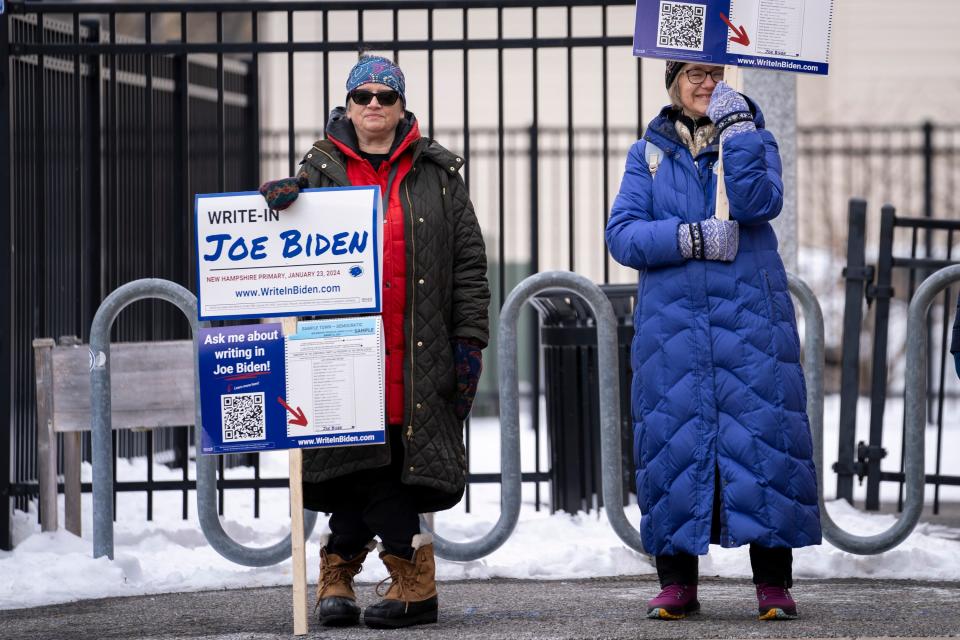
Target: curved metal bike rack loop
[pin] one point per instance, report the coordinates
(915, 383)
(226, 546)
(510, 414)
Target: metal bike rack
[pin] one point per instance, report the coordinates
(510, 420)
(813, 372)
(609, 418)
(510, 415)
(915, 413)
(226, 546)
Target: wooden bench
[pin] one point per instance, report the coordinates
(152, 385)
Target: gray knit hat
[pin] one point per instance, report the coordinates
(673, 70)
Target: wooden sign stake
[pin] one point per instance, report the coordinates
(298, 549)
(731, 75)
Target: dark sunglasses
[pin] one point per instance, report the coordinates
(384, 98)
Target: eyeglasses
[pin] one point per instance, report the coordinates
(697, 76)
(384, 98)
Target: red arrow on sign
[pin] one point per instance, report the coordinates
(299, 418)
(741, 37)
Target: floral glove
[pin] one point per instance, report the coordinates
(468, 359)
(711, 239)
(729, 112)
(280, 194)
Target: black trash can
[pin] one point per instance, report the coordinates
(568, 337)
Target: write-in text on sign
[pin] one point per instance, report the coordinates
(781, 35)
(320, 256)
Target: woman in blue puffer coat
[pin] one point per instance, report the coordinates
(721, 439)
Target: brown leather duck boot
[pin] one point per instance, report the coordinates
(412, 596)
(336, 602)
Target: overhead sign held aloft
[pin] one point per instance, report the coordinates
(782, 35)
(320, 256)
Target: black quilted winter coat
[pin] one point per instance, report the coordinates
(443, 246)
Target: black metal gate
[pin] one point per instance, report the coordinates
(923, 246)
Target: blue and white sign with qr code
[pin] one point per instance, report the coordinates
(781, 35)
(333, 398)
(241, 380)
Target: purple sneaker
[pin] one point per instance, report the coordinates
(675, 602)
(775, 602)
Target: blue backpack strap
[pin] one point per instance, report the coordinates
(955, 343)
(652, 154)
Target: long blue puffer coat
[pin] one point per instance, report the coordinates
(717, 383)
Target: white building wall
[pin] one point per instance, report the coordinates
(891, 62)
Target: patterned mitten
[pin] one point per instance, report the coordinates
(280, 194)
(685, 240)
(729, 112)
(711, 239)
(468, 359)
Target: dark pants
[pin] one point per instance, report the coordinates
(770, 565)
(384, 507)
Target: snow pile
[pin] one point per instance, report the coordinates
(170, 554)
(931, 552)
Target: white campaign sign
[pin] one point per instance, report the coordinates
(322, 255)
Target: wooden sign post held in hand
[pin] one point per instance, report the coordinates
(731, 75)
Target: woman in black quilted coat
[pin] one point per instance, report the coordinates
(435, 298)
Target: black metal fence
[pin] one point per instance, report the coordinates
(119, 112)
(915, 167)
(104, 153)
(865, 264)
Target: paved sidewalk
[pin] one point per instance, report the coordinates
(520, 609)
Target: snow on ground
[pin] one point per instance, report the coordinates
(170, 554)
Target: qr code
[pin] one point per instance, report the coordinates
(681, 25)
(242, 417)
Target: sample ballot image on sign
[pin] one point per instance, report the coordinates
(335, 376)
(322, 387)
(782, 35)
(786, 29)
(321, 256)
